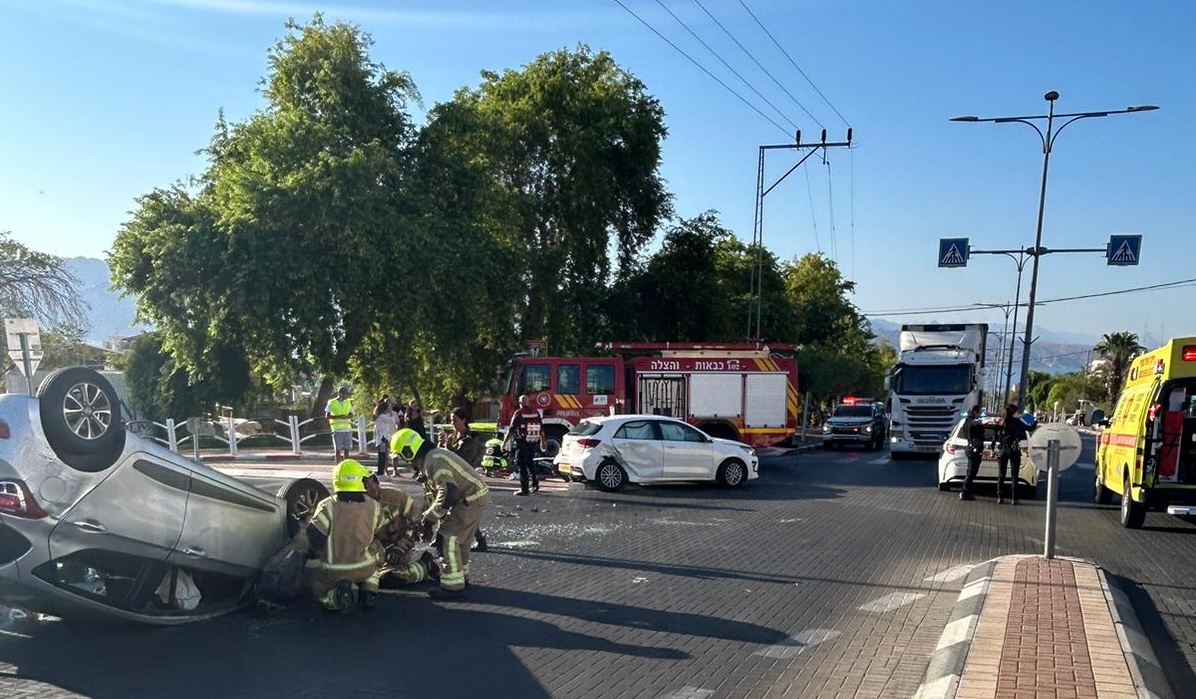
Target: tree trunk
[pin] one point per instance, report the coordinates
(321, 400)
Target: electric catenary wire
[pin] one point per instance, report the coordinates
(974, 307)
(758, 64)
(799, 70)
(830, 197)
(702, 68)
(726, 65)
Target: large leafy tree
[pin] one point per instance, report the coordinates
(1118, 349)
(573, 143)
(295, 245)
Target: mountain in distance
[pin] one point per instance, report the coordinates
(109, 314)
(1053, 352)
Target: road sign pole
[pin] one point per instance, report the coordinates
(25, 362)
(1052, 498)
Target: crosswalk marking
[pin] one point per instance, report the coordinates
(793, 646)
(888, 603)
(950, 574)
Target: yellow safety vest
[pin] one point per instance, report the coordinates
(340, 409)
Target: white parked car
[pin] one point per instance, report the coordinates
(615, 450)
(953, 464)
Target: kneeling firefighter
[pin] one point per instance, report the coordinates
(494, 459)
(399, 535)
(341, 536)
(461, 498)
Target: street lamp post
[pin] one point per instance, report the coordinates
(1048, 142)
(1019, 257)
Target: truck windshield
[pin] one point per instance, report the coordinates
(934, 380)
(852, 411)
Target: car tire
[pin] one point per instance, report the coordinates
(301, 496)
(1100, 494)
(732, 473)
(610, 476)
(80, 415)
(1027, 492)
(1133, 514)
(944, 487)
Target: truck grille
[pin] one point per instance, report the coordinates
(930, 424)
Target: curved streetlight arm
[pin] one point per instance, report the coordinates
(1019, 120)
(1070, 121)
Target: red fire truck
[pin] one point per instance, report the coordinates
(741, 391)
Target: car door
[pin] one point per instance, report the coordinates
(687, 452)
(137, 510)
(230, 527)
(640, 450)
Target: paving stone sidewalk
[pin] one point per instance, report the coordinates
(1030, 628)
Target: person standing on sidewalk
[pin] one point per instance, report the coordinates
(385, 425)
(461, 498)
(1013, 433)
(974, 431)
(340, 420)
(527, 433)
(413, 418)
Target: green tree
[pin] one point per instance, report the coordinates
(295, 244)
(823, 313)
(573, 143)
(1119, 349)
(1069, 389)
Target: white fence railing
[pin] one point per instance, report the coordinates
(291, 434)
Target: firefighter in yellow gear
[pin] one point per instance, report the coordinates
(398, 536)
(460, 499)
(341, 536)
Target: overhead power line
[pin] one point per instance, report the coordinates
(725, 64)
(799, 70)
(972, 307)
(702, 68)
(758, 64)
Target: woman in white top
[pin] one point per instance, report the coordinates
(385, 425)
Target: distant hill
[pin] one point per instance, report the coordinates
(110, 315)
(1054, 353)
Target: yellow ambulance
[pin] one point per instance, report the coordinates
(1147, 452)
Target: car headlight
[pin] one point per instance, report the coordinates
(867, 429)
(826, 428)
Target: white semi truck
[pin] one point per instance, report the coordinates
(937, 379)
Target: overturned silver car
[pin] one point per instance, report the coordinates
(95, 520)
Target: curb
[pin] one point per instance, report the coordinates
(274, 456)
(1143, 664)
(942, 677)
(946, 663)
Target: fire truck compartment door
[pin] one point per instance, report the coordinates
(716, 395)
(765, 397)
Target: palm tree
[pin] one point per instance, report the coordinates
(1119, 349)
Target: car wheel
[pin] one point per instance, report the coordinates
(731, 473)
(80, 414)
(1100, 494)
(1133, 514)
(610, 476)
(944, 487)
(1027, 492)
(301, 497)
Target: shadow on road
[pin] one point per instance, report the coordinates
(1175, 666)
(407, 647)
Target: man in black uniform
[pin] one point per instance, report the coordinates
(974, 430)
(1013, 433)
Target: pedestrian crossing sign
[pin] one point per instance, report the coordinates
(1123, 250)
(953, 252)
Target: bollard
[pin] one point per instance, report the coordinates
(172, 438)
(361, 443)
(1052, 497)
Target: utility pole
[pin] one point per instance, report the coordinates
(754, 293)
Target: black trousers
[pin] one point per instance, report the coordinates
(526, 452)
(383, 457)
(1007, 457)
(974, 458)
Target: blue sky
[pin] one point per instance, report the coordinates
(106, 99)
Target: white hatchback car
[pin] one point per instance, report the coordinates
(953, 464)
(615, 450)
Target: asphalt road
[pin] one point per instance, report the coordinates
(832, 575)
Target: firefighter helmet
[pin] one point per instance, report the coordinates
(406, 444)
(349, 477)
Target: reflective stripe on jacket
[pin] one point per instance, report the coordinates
(442, 467)
(349, 527)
